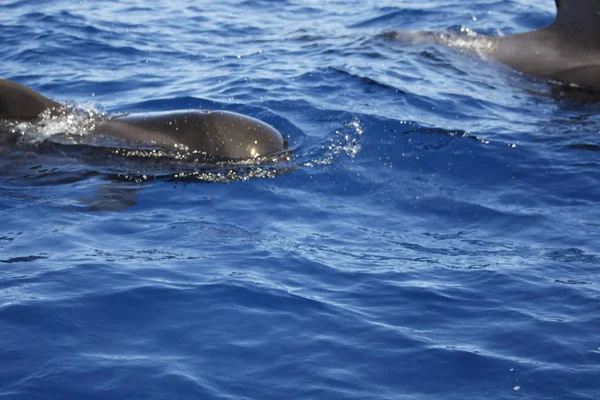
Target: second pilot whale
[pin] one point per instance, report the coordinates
(567, 50)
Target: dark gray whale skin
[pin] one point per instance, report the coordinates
(567, 50)
(20, 102)
(219, 134)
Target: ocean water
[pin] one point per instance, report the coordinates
(434, 234)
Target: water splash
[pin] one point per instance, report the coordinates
(344, 142)
(66, 125)
(465, 40)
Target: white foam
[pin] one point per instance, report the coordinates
(68, 124)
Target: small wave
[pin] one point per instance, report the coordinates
(25, 259)
(584, 146)
(367, 80)
(391, 16)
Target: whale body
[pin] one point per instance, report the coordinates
(219, 134)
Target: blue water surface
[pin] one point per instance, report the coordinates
(434, 235)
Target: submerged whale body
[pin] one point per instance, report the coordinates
(568, 50)
(219, 134)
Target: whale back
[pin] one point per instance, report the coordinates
(18, 101)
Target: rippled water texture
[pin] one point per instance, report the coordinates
(433, 235)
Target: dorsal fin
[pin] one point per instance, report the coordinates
(18, 101)
(579, 18)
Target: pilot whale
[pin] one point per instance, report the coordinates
(218, 134)
(568, 50)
